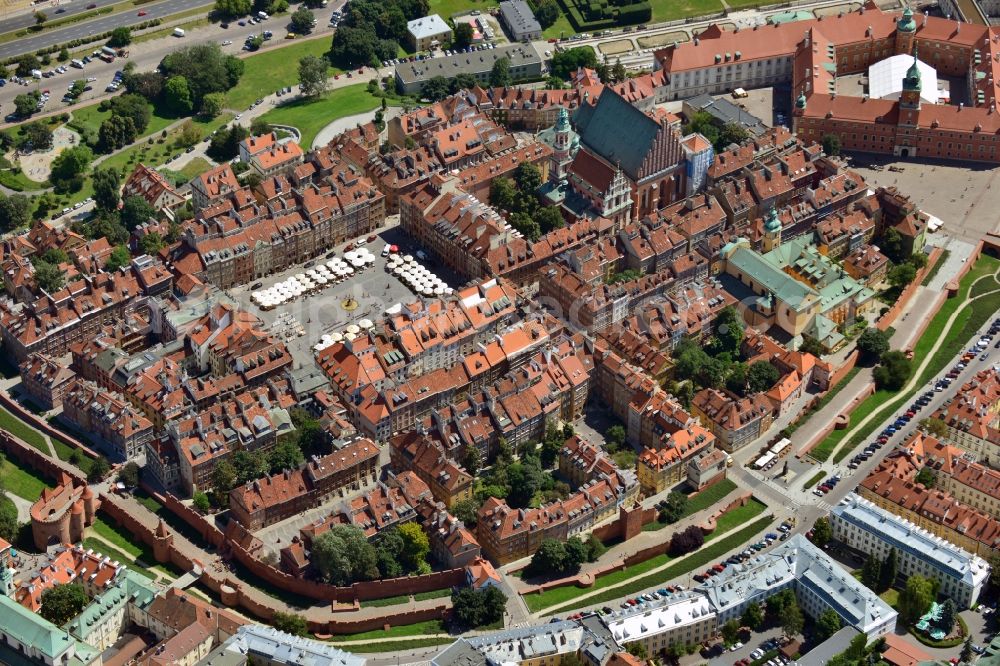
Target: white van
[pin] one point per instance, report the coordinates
(263, 16)
(178, 32)
(385, 250)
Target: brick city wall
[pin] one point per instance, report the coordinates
(34, 459)
(587, 579)
(845, 367)
(361, 591)
(953, 284)
(231, 591)
(889, 317)
(43, 425)
(613, 530)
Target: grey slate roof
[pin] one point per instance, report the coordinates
(726, 112)
(617, 131)
(477, 62)
(518, 15)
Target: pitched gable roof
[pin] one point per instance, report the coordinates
(617, 131)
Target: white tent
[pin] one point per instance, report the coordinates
(885, 78)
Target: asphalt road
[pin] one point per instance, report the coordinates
(72, 7)
(98, 25)
(148, 56)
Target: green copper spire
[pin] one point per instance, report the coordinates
(906, 22)
(562, 123)
(800, 101)
(772, 224)
(912, 79)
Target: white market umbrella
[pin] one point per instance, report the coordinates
(336, 336)
(353, 328)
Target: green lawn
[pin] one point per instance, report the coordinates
(105, 549)
(22, 430)
(559, 595)
(733, 518)
(813, 480)
(969, 320)
(117, 536)
(669, 10)
(387, 601)
(87, 121)
(153, 153)
(890, 596)
(65, 452)
(560, 29)
(448, 8)
(196, 166)
(148, 501)
(22, 482)
(310, 116)
(433, 594)
(400, 631)
(708, 497)
(398, 646)
(273, 68)
(701, 501)
(744, 4)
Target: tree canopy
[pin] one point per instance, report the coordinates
(872, 343)
(290, 623)
(914, 599)
(893, 371)
(343, 556)
(827, 624)
(62, 603)
(69, 166)
(478, 608)
(15, 211)
(500, 76)
(565, 63)
(205, 68)
(312, 75)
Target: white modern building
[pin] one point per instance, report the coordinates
(870, 529)
(685, 618)
(428, 32)
(819, 583)
(267, 646)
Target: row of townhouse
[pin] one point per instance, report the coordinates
(239, 236)
(472, 239)
(288, 493)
